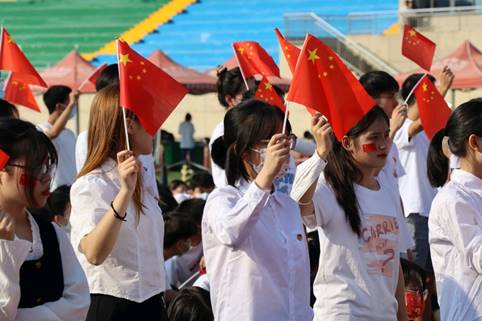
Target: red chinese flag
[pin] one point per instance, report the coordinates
(145, 89)
(267, 93)
(324, 83)
(18, 92)
(13, 59)
(434, 111)
(3, 159)
(93, 77)
(417, 47)
(254, 60)
(290, 51)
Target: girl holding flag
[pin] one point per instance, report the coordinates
(117, 225)
(253, 239)
(360, 224)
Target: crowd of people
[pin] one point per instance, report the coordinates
(384, 224)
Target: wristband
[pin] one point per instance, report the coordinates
(116, 215)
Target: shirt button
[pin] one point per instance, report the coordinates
(38, 265)
(299, 237)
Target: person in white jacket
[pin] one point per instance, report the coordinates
(455, 221)
(40, 277)
(253, 238)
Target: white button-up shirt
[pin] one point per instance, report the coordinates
(134, 270)
(455, 235)
(256, 255)
(73, 304)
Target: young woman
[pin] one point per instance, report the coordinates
(117, 226)
(360, 224)
(40, 276)
(253, 238)
(455, 221)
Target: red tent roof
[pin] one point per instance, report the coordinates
(71, 71)
(195, 82)
(231, 63)
(465, 62)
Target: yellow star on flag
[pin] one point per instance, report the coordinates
(424, 87)
(241, 50)
(412, 33)
(312, 55)
(124, 59)
(268, 86)
(10, 40)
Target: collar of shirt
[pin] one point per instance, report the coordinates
(468, 180)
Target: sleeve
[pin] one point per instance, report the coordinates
(401, 139)
(305, 147)
(405, 239)
(230, 216)
(12, 255)
(90, 198)
(74, 303)
(306, 174)
(323, 198)
(463, 228)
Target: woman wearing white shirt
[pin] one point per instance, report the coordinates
(40, 277)
(455, 221)
(253, 238)
(117, 226)
(360, 225)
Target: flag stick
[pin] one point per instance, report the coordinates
(413, 89)
(241, 69)
(191, 278)
(123, 109)
(285, 120)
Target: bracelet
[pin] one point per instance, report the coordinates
(116, 215)
(305, 204)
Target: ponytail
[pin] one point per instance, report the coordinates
(437, 162)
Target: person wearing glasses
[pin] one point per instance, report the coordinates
(253, 238)
(40, 276)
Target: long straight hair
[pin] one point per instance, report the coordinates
(342, 172)
(105, 135)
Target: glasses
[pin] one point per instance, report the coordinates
(292, 138)
(43, 172)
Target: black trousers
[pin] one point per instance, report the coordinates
(110, 308)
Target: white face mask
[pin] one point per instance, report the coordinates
(262, 157)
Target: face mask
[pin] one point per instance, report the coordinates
(73, 112)
(262, 157)
(415, 304)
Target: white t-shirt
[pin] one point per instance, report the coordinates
(186, 130)
(134, 270)
(393, 168)
(74, 303)
(65, 146)
(415, 189)
(147, 162)
(455, 236)
(219, 176)
(256, 255)
(357, 277)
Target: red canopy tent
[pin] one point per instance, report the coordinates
(195, 82)
(231, 63)
(465, 62)
(71, 71)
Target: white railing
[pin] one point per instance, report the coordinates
(297, 25)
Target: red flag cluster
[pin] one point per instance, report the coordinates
(22, 73)
(146, 90)
(254, 60)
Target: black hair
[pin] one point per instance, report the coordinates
(108, 76)
(191, 304)
(188, 117)
(437, 162)
(378, 82)
(193, 208)
(166, 201)
(7, 110)
(413, 273)
(408, 85)
(58, 200)
(55, 95)
(341, 172)
(230, 82)
(21, 140)
(175, 183)
(203, 180)
(177, 226)
(244, 126)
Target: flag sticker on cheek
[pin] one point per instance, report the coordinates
(25, 180)
(369, 148)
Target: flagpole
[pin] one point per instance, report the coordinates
(285, 120)
(123, 109)
(241, 69)
(414, 87)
